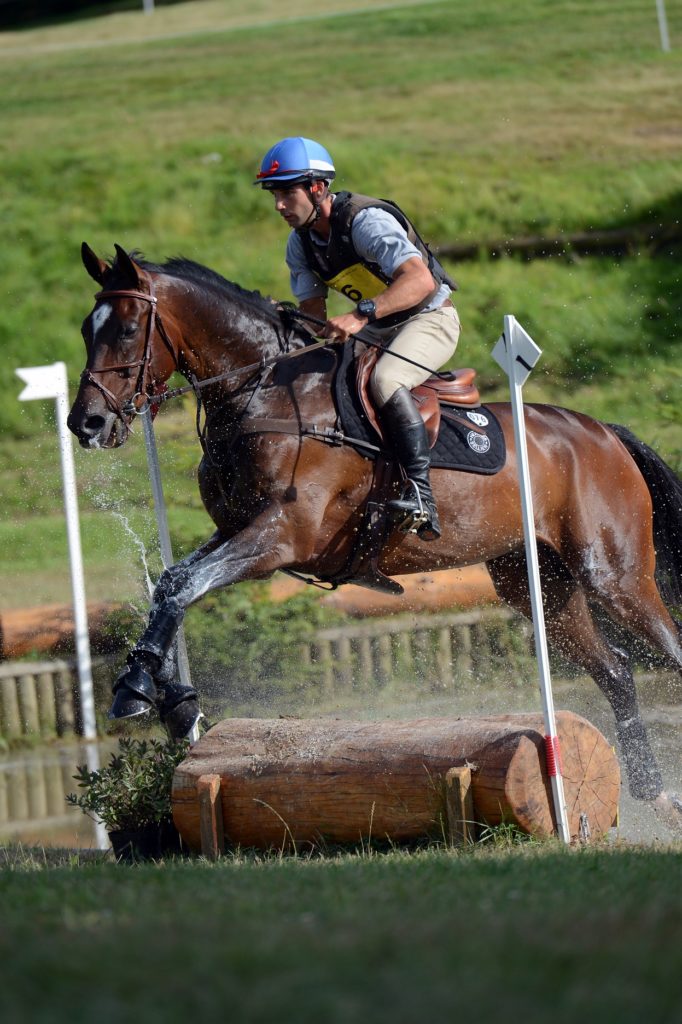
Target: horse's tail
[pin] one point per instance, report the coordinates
(665, 488)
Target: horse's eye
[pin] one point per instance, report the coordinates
(129, 331)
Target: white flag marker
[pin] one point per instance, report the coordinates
(517, 354)
(50, 382)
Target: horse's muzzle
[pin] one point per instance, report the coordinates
(98, 430)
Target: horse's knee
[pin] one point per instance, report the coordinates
(171, 582)
(615, 680)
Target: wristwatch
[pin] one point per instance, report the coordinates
(367, 308)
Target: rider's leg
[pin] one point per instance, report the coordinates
(429, 339)
(410, 443)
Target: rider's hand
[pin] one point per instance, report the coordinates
(341, 328)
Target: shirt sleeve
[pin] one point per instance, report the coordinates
(304, 283)
(379, 238)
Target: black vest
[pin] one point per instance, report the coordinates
(341, 267)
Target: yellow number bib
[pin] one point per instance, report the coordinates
(357, 282)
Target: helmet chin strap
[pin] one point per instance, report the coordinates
(316, 211)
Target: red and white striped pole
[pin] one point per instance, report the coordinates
(517, 354)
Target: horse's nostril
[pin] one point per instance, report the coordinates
(93, 424)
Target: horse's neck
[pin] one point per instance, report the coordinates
(217, 339)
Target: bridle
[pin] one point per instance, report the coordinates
(144, 386)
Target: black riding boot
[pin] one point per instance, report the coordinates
(407, 435)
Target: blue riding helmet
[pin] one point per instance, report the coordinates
(293, 161)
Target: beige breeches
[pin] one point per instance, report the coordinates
(429, 339)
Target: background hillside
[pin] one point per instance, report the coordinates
(486, 122)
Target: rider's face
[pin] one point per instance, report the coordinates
(294, 205)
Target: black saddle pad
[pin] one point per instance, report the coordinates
(459, 445)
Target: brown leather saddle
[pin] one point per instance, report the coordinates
(460, 390)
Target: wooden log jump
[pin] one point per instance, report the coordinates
(274, 783)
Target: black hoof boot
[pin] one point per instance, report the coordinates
(179, 711)
(134, 692)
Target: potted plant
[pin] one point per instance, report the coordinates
(131, 796)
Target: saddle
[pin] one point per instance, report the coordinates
(458, 389)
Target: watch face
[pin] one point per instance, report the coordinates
(366, 307)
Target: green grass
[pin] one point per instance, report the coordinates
(532, 934)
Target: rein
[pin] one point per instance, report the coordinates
(252, 368)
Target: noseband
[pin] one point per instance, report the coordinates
(144, 387)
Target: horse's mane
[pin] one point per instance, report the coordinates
(210, 280)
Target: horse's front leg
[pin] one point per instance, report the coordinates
(149, 678)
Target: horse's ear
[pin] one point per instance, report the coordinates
(127, 266)
(93, 264)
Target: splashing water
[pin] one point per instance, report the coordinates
(111, 507)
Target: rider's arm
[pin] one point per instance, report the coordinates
(412, 283)
(380, 239)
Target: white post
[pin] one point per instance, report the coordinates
(164, 536)
(663, 26)
(517, 354)
(148, 6)
(51, 382)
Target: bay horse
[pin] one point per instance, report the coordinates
(608, 510)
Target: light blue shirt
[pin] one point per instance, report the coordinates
(377, 237)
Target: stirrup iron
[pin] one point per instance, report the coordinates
(412, 519)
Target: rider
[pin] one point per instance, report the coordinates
(368, 250)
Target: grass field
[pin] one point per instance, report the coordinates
(484, 120)
(535, 933)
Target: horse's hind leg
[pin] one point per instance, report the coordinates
(571, 627)
(628, 593)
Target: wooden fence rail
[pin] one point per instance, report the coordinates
(33, 794)
(41, 699)
(435, 651)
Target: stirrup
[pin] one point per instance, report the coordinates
(408, 519)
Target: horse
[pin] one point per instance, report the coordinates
(608, 510)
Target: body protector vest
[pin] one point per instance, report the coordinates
(342, 268)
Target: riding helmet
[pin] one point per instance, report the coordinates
(292, 161)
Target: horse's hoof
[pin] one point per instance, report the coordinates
(128, 704)
(668, 807)
(182, 721)
(134, 693)
(179, 710)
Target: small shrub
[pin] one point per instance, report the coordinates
(134, 789)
